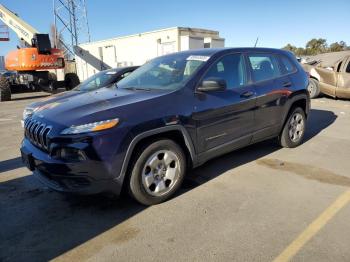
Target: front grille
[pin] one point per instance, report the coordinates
(37, 132)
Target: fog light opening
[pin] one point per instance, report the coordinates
(72, 154)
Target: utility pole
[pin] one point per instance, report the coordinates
(71, 23)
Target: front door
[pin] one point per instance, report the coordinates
(225, 118)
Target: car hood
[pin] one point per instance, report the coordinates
(53, 98)
(86, 107)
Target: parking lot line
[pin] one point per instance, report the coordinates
(9, 175)
(314, 227)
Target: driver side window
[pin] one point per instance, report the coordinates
(229, 68)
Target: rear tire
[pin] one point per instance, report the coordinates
(71, 80)
(158, 171)
(293, 131)
(5, 90)
(313, 88)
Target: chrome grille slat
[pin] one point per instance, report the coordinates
(34, 132)
(37, 133)
(28, 128)
(41, 135)
(31, 129)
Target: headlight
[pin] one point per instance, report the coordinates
(91, 127)
(27, 112)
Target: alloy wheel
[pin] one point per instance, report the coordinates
(161, 172)
(296, 127)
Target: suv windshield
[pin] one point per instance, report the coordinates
(97, 81)
(164, 73)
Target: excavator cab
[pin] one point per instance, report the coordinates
(42, 43)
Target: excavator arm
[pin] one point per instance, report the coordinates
(23, 30)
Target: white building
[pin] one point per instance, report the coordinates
(139, 48)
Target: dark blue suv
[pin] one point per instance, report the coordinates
(173, 113)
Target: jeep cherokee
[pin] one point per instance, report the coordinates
(171, 114)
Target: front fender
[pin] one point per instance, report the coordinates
(149, 133)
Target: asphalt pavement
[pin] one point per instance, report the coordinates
(259, 203)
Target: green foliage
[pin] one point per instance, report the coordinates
(317, 46)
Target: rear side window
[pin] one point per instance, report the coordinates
(339, 66)
(348, 68)
(230, 68)
(264, 66)
(287, 65)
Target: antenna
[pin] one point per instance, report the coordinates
(256, 41)
(71, 23)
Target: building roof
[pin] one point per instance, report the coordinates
(188, 29)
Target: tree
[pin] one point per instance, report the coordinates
(316, 46)
(300, 51)
(337, 46)
(290, 47)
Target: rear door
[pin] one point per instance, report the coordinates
(225, 117)
(272, 88)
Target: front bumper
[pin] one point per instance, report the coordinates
(77, 184)
(84, 177)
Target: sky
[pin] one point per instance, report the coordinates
(275, 22)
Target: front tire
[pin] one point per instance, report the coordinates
(313, 88)
(293, 131)
(5, 90)
(158, 172)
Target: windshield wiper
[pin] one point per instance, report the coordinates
(136, 88)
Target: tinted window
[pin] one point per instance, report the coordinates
(264, 66)
(339, 66)
(125, 74)
(97, 81)
(287, 65)
(229, 68)
(168, 72)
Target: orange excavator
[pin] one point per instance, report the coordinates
(35, 64)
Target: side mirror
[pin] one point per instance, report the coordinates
(212, 84)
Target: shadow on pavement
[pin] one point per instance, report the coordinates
(318, 121)
(41, 224)
(10, 164)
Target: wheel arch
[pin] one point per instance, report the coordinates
(176, 133)
(300, 99)
(313, 77)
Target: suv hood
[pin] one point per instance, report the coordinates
(75, 108)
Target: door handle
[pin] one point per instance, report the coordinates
(247, 94)
(287, 84)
